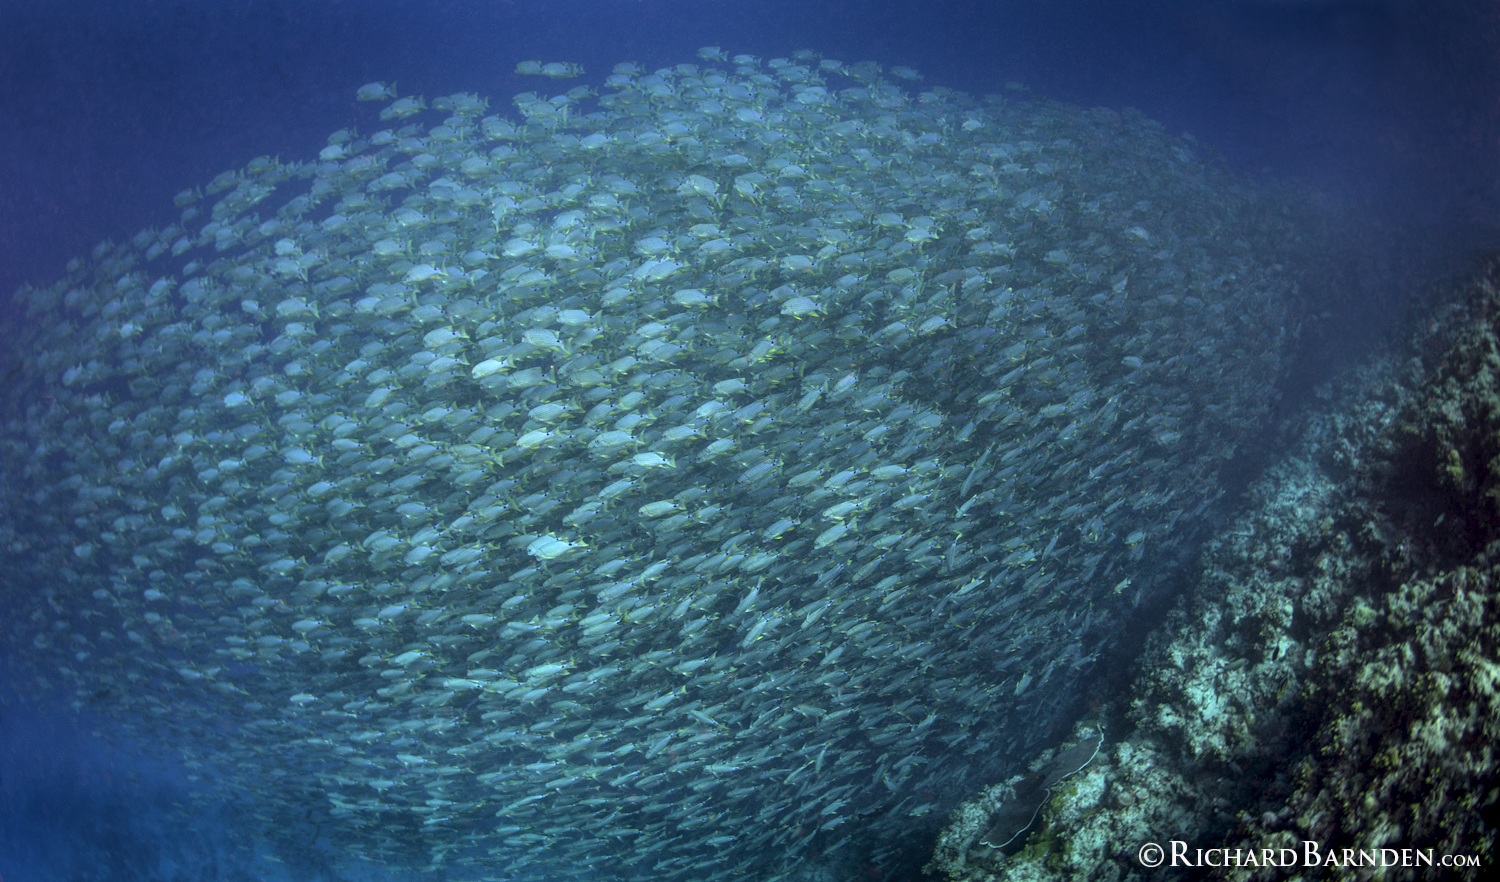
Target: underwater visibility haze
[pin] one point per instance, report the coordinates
(758, 441)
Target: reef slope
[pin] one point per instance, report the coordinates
(1330, 677)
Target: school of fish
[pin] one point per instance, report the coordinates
(729, 471)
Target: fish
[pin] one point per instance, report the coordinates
(491, 449)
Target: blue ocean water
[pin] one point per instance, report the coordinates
(1382, 105)
(1383, 109)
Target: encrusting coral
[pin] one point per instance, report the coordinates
(1333, 674)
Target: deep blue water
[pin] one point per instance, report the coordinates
(110, 108)
(1388, 111)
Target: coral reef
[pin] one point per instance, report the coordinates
(1331, 677)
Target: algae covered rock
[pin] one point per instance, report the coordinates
(1328, 688)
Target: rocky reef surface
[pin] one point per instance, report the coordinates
(1331, 676)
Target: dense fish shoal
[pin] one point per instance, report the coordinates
(741, 464)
